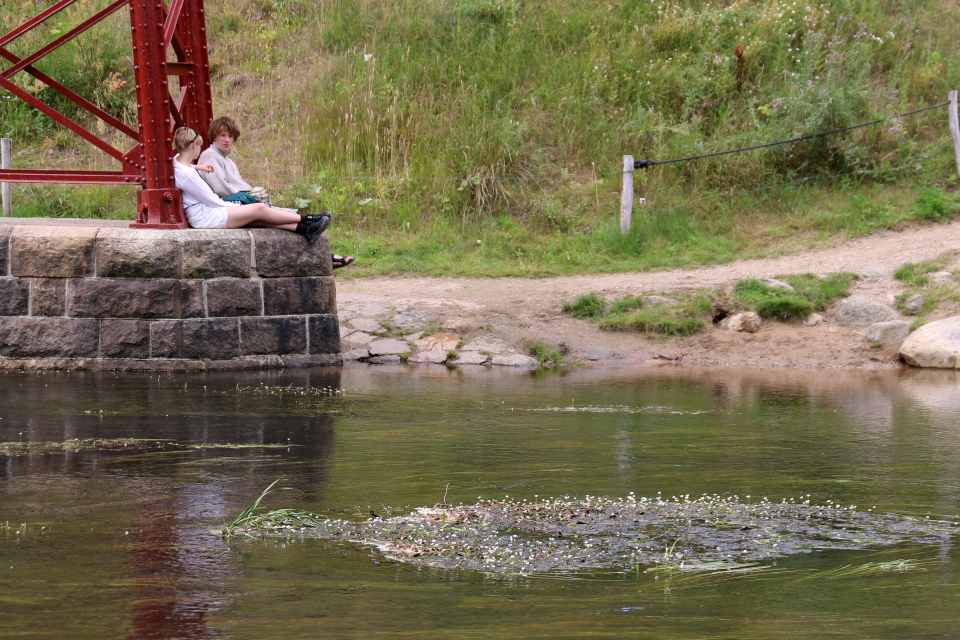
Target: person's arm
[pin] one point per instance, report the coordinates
(190, 182)
(217, 179)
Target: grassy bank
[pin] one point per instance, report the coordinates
(480, 137)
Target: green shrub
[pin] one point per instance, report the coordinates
(785, 308)
(587, 306)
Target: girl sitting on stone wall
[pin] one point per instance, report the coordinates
(205, 210)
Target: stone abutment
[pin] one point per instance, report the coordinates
(99, 295)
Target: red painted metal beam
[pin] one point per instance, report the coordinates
(77, 177)
(38, 19)
(73, 97)
(70, 35)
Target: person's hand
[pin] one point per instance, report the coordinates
(205, 167)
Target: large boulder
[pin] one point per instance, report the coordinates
(860, 311)
(935, 345)
(887, 332)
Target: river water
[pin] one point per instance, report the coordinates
(122, 543)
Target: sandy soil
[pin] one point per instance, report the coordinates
(520, 311)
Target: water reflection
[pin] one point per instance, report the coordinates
(128, 549)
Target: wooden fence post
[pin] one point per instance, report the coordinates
(954, 126)
(626, 197)
(6, 156)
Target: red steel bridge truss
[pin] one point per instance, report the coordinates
(170, 94)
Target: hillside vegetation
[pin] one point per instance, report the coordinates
(483, 137)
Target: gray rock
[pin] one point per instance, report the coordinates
(357, 339)
(429, 357)
(385, 359)
(914, 304)
(484, 343)
(747, 321)
(934, 345)
(356, 354)
(599, 354)
(388, 346)
(366, 324)
(942, 277)
(813, 320)
(470, 357)
(887, 332)
(860, 311)
(438, 342)
(515, 360)
(656, 300)
(778, 285)
(344, 329)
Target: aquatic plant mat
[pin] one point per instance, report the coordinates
(681, 534)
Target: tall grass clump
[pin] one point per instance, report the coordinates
(808, 293)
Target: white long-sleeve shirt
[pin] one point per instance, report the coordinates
(203, 208)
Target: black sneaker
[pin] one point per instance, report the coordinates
(316, 217)
(314, 229)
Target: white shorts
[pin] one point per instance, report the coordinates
(203, 217)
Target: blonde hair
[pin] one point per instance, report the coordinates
(184, 137)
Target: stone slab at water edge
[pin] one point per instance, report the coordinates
(98, 295)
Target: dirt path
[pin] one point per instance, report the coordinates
(521, 311)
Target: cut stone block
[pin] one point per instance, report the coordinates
(215, 339)
(234, 297)
(135, 299)
(324, 333)
(49, 297)
(14, 297)
(52, 252)
(137, 253)
(215, 253)
(124, 339)
(291, 296)
(4, 250)
(49, 337)
(281, 335)
(281, 254)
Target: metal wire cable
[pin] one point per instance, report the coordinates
(644, 164)
(786, 184)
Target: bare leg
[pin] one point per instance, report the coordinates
(260, 215)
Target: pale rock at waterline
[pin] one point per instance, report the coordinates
(471, 357)
(935, 345)
(777, 285)
(387, 346)
(357, 339)
(860, 311)
(433, 356)
(438, 342)
(515, 360)
(747, 321)
(914, 304)
(356, 354)
(813, 320)
(368, 325)
(390, 358)
(887, 332)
